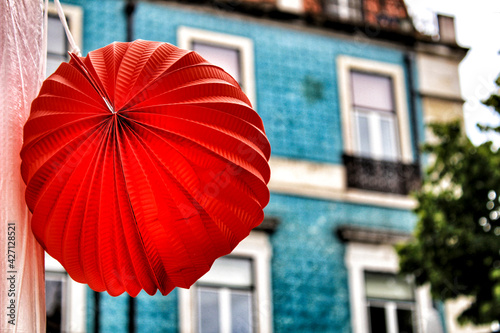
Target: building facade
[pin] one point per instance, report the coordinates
(344, 88)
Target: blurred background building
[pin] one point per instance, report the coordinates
(344, 88)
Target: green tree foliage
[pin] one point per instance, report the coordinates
(494, 103)
(456, 244)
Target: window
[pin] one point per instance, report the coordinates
(225, 57)
(374, 116)
(233, 53)
(344, 9)
(378, 152)
(65, 300)
(55, 284)
(57, 43)
(235, 295)
(225, 297)
(390, 303)
(381, 301)
(375, 120)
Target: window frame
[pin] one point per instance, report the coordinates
(74, 313)
(257, 248)
(63, 278)
(187, 35)
(390, 305)
(346, 65)
(224, 292)
(382, 258)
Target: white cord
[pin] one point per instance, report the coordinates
(74, 48)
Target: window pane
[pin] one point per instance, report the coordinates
(363, 134)
(241, 312)
(388, 286)
(405, 320)
(227, 58)
(56, 42)
(372, 91)
(53, 303)
(57, 46)
(389, 144)
(231, 272)
(377, 320)
(208, 309)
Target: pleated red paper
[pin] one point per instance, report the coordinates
(143, 163)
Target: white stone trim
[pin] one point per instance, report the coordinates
(360, 257)
(186, 36)
(326, 181)
(380, 199)
(257, 247)
(344, 65)
(306, 174)
(75, 318)
(74, 14)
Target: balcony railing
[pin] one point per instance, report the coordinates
(382, 176)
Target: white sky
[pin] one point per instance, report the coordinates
(478, 28)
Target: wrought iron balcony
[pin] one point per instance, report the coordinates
(382, 176)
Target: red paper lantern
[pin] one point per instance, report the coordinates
(143, 163)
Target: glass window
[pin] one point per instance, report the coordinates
(241, 311)
(377, 319)
(54, 301)
(225, 57)
(208, 307)
(375, 121)
(225, 297)
(391, 303)
(57, 44)
(235, 54)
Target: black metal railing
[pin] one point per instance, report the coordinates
(382, 176)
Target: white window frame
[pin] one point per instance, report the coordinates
(390, 307)
(361, 257)
(224, 296)
(258, 248)
(187, 35)
(347, 64)
(74, 318)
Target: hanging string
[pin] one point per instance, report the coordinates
(75, 53)
(74, 48)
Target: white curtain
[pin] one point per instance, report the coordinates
(22, 58)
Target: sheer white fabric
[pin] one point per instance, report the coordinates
(22, 56)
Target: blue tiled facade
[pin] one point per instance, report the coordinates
(297, 125)
(309, 278)
(310, 289)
